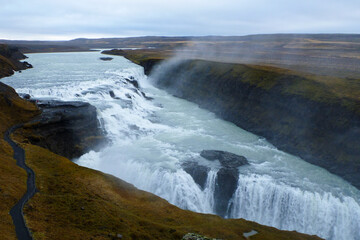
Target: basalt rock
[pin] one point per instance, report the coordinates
(69, 129)
(198, 172)
(106, 58)
(227, 177)
(227, 159)
(226, 184)
(133, 82)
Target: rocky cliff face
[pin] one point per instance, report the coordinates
(69, 129)
(295, 113)
(10, 60)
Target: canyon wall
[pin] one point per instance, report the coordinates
(303, 115)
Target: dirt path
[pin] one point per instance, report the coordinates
(16, 212)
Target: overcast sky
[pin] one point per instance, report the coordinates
(68, 19)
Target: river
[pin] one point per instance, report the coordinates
(151, 139)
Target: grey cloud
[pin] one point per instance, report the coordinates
(65, 19)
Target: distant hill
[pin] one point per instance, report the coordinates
(325, 54)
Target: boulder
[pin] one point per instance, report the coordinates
(227, 159)
(146, 97)
(112, 94)
(106, 58)
(133, 82)
(194, 236)
(226, 184)
(197, 172)
(227, 177)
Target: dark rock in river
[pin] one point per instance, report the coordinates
(112, 94)
(226, 184)
(197, 172)
(69, 129)
(106, 58)
(133, 82)
(146, 97)
(227, 159)
(227, 177)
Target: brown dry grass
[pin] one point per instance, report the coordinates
(13, 110)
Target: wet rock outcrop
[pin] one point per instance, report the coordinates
(69, 129)
(226, 159)
(226, 179)
(305, 116)
(198, 172)
(106, 58)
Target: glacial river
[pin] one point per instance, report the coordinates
(150, 139)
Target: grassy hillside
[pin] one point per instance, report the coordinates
(13, 110)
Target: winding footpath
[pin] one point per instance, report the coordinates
(16, 212)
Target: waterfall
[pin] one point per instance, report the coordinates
(261, 199)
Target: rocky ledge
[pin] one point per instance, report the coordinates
(226, 178)
(69, 129)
